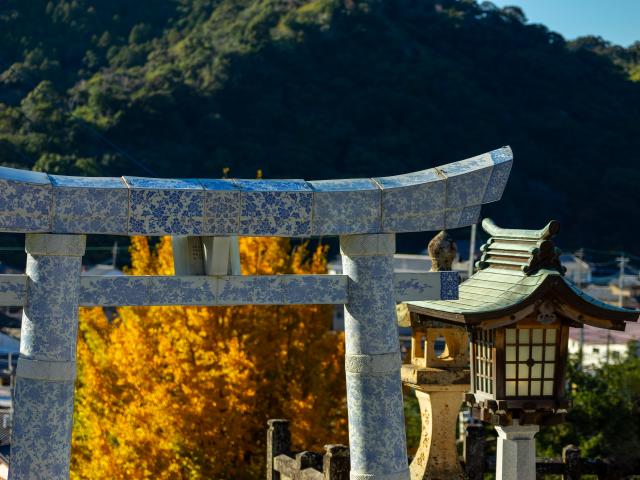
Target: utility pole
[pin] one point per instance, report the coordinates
(622, 260)
(580, 255)
(472, 248)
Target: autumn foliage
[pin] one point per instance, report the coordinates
(185, 392)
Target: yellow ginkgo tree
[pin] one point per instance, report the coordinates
(185, 392)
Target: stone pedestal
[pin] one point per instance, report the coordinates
(377, 439)
(440, 393)
(437, 456)
(516, 452)
(43, 402)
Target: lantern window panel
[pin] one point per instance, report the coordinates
(549, 369)
(536, 388)
(483, 360)
(550, 353)
(548, 389)
(551, 335)
(530, 355)
(537, 336)
(523, 388)
(536, 353)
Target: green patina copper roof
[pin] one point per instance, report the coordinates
(490, 290)
(517, 269)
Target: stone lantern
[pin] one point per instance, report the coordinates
(439, 374)
(518, 309)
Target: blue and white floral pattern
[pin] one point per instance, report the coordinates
(467, 180)
(417, 286)
(114, 291)
(503, 160)
(275, 207)
(413, 202)
(187, 290)
(50, 318)
(41, 430)
(449, 282)
(462, 217)
(24, 207)
(43, 409)
(314, 289)
(205, 290)
(182, 290)
(254, 290)
(165, 207)
(374, 399)
(346, 206)
(416, 201)
(377, 438)
(13, 290)
(90, 205)
(370, 314)
(221, 207)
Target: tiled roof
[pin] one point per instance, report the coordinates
(490, 290)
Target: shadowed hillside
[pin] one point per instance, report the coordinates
(322, 88)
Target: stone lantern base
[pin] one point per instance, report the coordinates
(440, 394)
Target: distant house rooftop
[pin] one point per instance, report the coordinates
(402, 263)
(102, 269)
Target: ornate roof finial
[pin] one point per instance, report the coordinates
(526, 250)
(442, 250)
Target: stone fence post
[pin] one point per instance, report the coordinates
(45, 377)
(516, 452)
(572, 463)
(377, 437)
(335, 464)
(473, 450)
(278, 442)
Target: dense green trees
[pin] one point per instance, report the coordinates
(605, 418)
(326, 88)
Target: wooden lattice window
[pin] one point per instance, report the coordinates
(483, 360)
(530, 355)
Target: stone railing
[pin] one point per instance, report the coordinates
(572, 466)
(282, 464)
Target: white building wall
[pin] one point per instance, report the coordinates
(595, 354)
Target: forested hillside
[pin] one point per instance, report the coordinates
(327, 88)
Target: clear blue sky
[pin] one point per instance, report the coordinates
(615, 20)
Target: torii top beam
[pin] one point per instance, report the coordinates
(449, 196)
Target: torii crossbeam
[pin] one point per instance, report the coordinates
(56, 212)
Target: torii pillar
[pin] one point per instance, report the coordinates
(377, 439)
(45, 378)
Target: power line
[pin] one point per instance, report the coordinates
(82, 123)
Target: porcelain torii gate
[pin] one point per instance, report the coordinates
(56, 212)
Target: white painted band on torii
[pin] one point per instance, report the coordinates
(404, 475)
(47, 370)
(381, 364)
(368, 245)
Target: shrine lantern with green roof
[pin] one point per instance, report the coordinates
(518, 309)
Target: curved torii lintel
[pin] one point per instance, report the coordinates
(449, 196)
